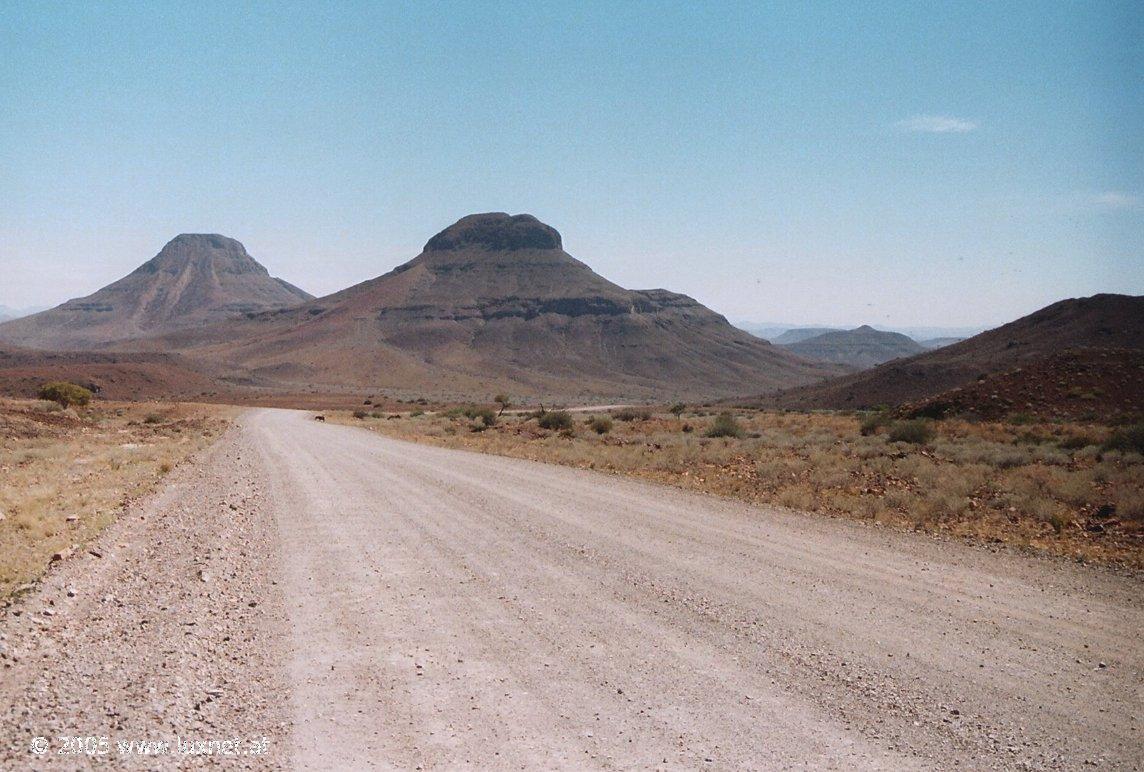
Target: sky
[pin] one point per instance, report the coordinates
(944, 164)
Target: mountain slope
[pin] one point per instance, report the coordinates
(799, 334)
(494, 303)
(1097, 322)
(196, 279)
(863, 347)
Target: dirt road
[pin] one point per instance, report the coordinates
(416, 607)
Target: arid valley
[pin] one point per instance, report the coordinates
(571, 386)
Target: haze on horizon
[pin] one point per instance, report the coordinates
(900, 166)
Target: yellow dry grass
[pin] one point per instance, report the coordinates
(1044, 487)
(66, 474)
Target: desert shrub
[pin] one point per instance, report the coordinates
(1076, 442)
(688, 428)
(360, 414)
(503, 401)
(1021, 419)
(677, 408)
(870, 423)
(416, 413)
(65, 394)
(725, 425)
(486, 416)
(600, 425)
(555, 419)
(632, 414)
(153, 418)
(1127, 440)
(915, 432)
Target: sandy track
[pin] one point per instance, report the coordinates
(433, 608)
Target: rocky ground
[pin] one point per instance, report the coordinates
(160, 632)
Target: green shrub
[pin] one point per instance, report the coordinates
(677, 409)
(65, 394)
(600, 425)
(555, 419)
(915, 432)
(503, 401)
(486, 416)
(872, 422)
(632, 414)
(725, 425)
(416, 413)
(1127, 440)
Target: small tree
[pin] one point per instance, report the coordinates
(503, 401)
(677, 409)
(64, 393)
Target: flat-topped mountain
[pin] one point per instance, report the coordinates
(1100, 322)
(494, 303)
(863, 347)
(195, 279)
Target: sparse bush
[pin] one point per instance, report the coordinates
(725, 425)
(503, 401)
(65, 394)
(872, 422)
(360, 414)
(153, 418)
(915, 432)
(632, 414)
(416, 413)
(688, 428)
(600, 425)
(486, 416)
(1076, 442)
(1127, 440)
(555, 419)
(1021, 419)
(677, 409)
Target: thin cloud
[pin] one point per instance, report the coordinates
(936, 124)
(1114, 199)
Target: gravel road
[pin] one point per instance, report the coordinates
(416, 607)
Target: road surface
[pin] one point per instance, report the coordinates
(404, 606)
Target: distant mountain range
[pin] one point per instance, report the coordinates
(782, 333)
(862, 348)
(492, 303)
(1094, 328)
(8, 312)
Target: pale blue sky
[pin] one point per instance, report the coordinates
(897, 164)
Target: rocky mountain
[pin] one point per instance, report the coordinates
(1085, 384)
(196, 279)
(494, 303)
(863, 347)
(799, 334)
(1097, 322)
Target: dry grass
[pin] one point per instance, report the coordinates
(68, 473)
(1045, 487)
